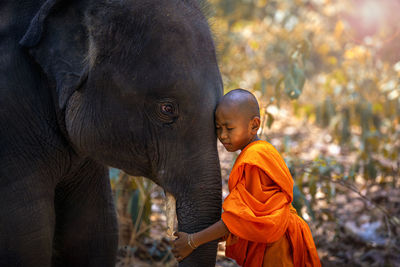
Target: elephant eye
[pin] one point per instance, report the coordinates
(167, 109)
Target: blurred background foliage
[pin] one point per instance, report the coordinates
(335, 64)
(134, 198)
(332, 66)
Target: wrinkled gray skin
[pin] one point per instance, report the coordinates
(84, 85)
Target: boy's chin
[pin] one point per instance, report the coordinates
(230, 148)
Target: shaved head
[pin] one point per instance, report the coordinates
(242, 101)
(237, 119)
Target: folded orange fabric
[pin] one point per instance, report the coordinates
(258, 210)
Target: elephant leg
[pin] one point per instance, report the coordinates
(26, 222)
(86, 231)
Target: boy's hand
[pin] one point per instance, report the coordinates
(181, 248)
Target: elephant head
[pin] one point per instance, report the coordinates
(135, 87)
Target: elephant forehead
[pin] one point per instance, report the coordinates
(131, 26)
(165, 75)
(155, 47)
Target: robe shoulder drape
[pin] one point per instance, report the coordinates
(258, 210)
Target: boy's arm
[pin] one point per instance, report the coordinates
(181, 245)
(215, 231)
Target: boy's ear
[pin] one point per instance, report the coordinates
(255, 124)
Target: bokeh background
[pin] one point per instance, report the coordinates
(327, 77)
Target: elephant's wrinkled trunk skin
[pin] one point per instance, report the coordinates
(198, 205)
(202, 256)
(208, 214)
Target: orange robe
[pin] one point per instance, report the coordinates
(258, 211)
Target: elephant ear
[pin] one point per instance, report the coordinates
(57, 40)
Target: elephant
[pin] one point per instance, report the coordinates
(90, 84)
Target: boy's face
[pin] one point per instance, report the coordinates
(234, 130)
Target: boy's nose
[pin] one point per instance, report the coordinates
(223, 135)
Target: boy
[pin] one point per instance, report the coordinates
(263, 228)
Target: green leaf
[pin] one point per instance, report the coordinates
(299, 200)
(298, 197)
(263, 87)
(147, 211)
(294, 81)
(278, 91)
(286, 141)
(270, 120)
(313, 186)
(345, 134)
(134, 207)
(370, 171)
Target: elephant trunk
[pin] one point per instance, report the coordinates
(202, 256)
(198, 205)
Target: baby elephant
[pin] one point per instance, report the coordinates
(88, 84)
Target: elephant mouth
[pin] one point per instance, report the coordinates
(170, 207)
